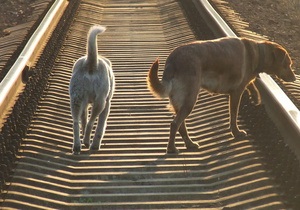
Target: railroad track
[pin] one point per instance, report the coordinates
(131, 170)
(17, 36)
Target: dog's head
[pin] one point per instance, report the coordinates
(281, 64)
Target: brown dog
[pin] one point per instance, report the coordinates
(226, 65)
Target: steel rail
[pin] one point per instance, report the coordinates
(13, 81)
(131, 169)
(280, 108)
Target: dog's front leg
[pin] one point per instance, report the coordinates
(254, 93)
(234, 103)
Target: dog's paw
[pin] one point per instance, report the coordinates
(172, 150)
(192, 145)
(76, 149)
(87, 145)
(239, 134)
(256, 101)
(94, 147)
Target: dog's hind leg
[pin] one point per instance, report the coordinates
(185, 136)
(76, 143)
(83, 120)
(234, 103)
(76, 129)
(100, 127)
(96, 110)
(182, 112)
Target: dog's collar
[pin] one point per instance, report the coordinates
(261, 58)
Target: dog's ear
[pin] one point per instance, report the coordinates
(280, 55)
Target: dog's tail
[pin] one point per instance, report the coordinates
(92, 46)
(158, 88)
